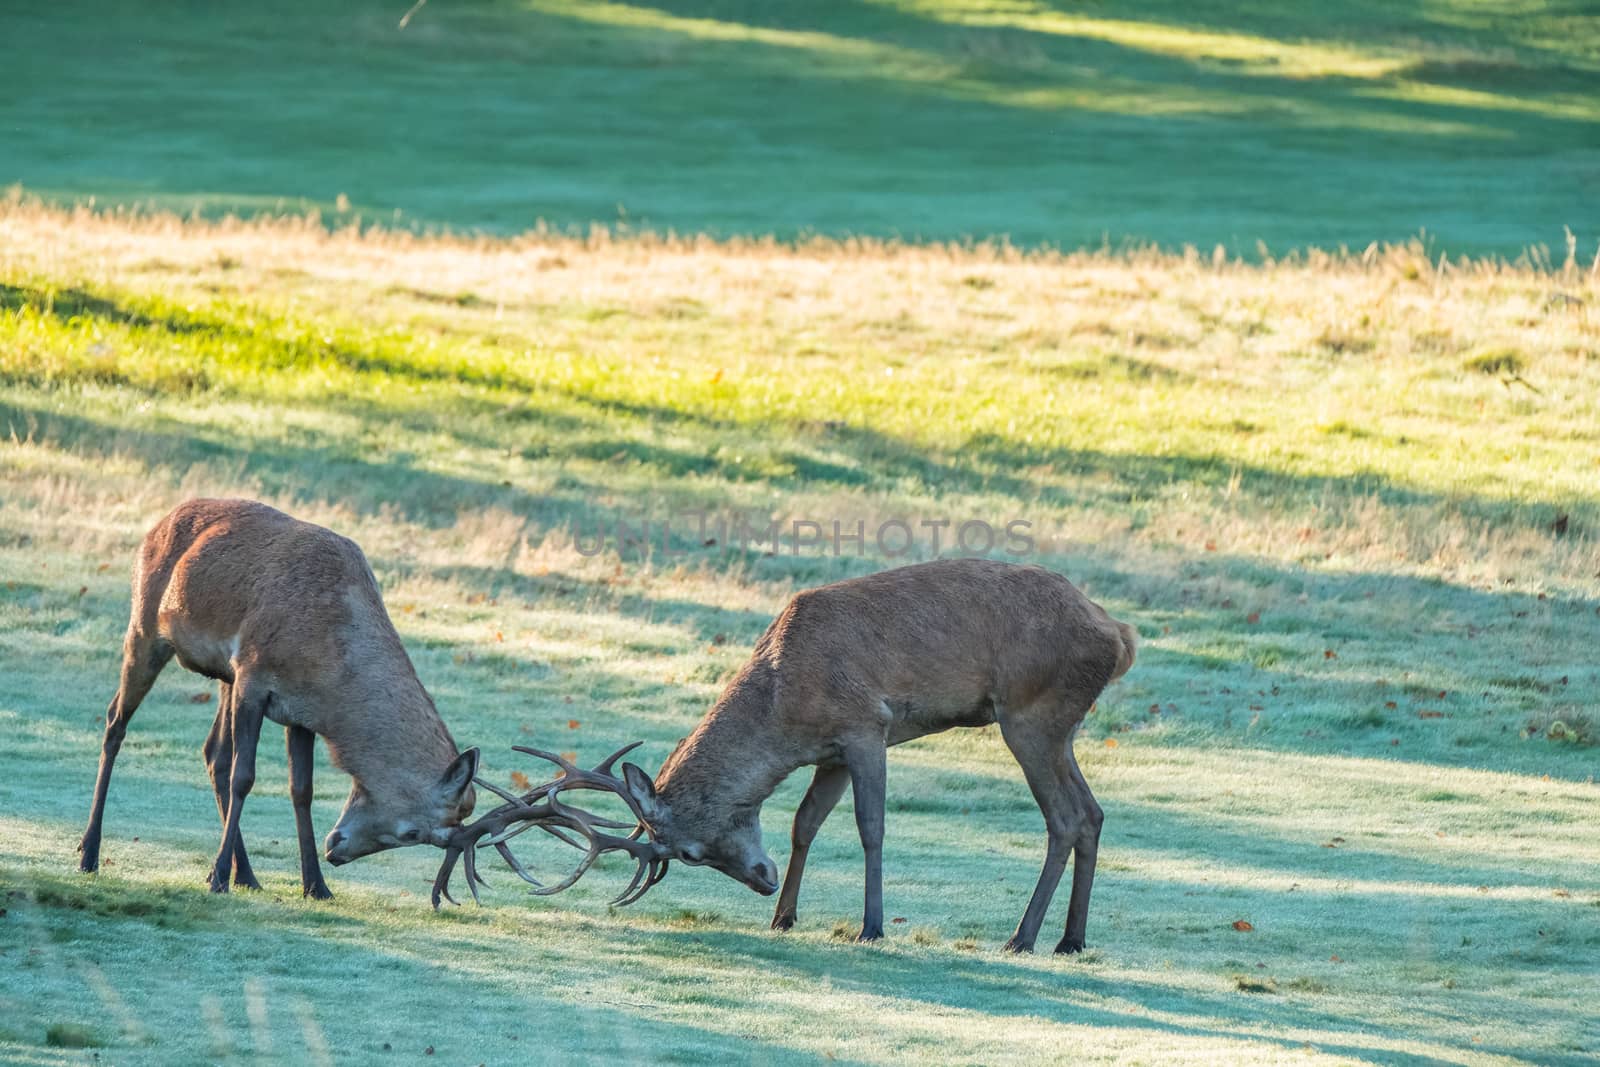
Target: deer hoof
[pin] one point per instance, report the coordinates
(783, 921)
(1014, 945)
(1068, 947)
(319, 891)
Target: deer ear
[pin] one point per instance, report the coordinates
(457, 778)
(641, 788)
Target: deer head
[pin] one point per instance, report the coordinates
(403, 814)
(725, 838)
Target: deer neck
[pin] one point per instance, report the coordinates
(735, 758)
(394, 744)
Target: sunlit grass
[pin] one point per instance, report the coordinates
(1322, 488)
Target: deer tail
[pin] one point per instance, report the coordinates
(1128, 647)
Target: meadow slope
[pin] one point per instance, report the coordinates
(1065, 124)
(1351, 504)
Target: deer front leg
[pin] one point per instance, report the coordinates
(142, 660)
(302, 753)
(249, 707)
(868, 780)
(826, 789)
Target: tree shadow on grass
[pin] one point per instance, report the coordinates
(1069, 994)
(793, 455)
(797, 454)
(289, 952)
(1019, 65)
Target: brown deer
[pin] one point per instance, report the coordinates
(288, 617)
(852, 668)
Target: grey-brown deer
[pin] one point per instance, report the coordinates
(288, 617)
(852, 668)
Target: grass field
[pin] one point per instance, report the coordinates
(1351, 504)
(1065, 124)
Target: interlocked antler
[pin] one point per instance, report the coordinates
(542, 808)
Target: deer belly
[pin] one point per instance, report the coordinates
(203, 654)
(910, 719)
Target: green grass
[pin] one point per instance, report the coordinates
(1367, 572)
(1205, 124)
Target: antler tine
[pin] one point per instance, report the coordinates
(516, 865)
(544, 807)
(441, 881)
(497, 791)
(604, 766)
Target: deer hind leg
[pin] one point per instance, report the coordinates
(1084, 852)
(219, 762)
(1037, 739)
(826, 789)
(143, 656)
(302, 753)
(248, 708)
(869, 774)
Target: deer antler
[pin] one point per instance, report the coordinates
(543, 808)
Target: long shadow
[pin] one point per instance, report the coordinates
(708, 622)
(995, 987)
(501, 1013)
(987, 463)
(990, 464)
(1031, 57)
(394, 483)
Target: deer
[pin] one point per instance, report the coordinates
(847, 671)
(288, 618)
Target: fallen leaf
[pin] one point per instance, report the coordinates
(1335, 959)
(1558, 892)
(519, 780)
(102, 568)
(200, 698)
(572, 724)
(1253, 618)
(1211, 546)
(717, 377)
(1329, 653)
(898, 919)
(1391, 705)
(1426, 714)
(570, 757)
(1242, 926)
(719, 639)
(1111, 742)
